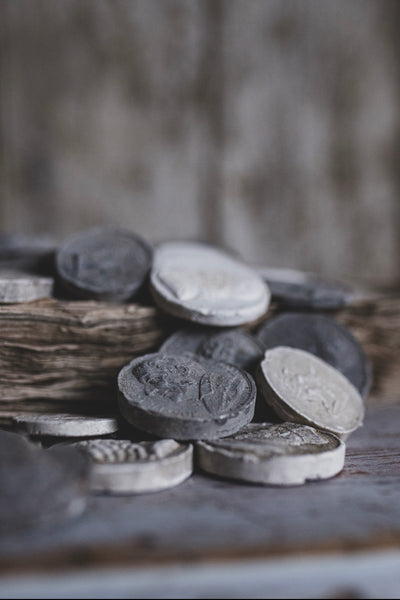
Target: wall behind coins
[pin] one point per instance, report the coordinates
(270, 127)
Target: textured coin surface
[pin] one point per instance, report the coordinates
(302, 388)
(65, 425)
(234, 346)
(296, 289)
(16, 286)
(277, 454)
(185, 397)
(121, 466)
(39, 486)
(204, 284)
(324, 337)
(104, 263)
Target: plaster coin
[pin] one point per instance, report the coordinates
(234, 346)
(23, 287)
(185, 397)
(277, 454)
(296, 289)
(203, 284)
(121, 466)
(65, 425)
(302, 388)
(103, 263)
(324, 337)
(39, 486)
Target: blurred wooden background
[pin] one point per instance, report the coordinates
(271, 127)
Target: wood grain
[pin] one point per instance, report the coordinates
(68, 353)
(271, 127)
(210, 520)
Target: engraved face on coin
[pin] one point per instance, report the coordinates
(103, 263)
(302, 388)
(65, 425)
(324, 337)
(234, 346)
(206, 285)
(17, 286)
(297, 289)
(121, 466)
(185, 397)
(279, 454)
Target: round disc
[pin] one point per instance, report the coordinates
(121, 466)
(302, 388)
(104, 263)
(235, 346)
(22, 287)
(277, 454)
(65, 425)
(324, 337)
(185, 397)
(204, 284)
(296, 289)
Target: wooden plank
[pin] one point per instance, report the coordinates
(214, 520)
(310, 116)
(102, 116)
(64, 352)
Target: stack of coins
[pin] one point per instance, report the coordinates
(197, 401)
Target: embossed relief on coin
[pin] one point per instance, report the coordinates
(278, 439)
(125, 451)
(171, 382)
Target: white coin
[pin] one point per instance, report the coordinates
(20, 287)
(122, 466)
(303, 388)
(204, 284)
(65, 425)
(276, 454)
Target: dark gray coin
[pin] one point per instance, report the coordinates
(306, 291)
(104, 263)
(185, 397)
(324, 337)
(235, 346)
(39, 486)
(33, 254)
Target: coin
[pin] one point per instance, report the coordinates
(296, 289)
(203, 284)
(234, 346)
(303, 388)
(276, 454)
(103, 263)
(185, 397)
(22, 287)
(65, 425)
(121, 466)
(324, 337)
(39, 486)
(33, 254)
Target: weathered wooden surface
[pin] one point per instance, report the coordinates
(66, 355)
(214, 522)
(272, 127)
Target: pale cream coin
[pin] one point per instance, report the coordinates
(203, 284)
(303, 388)
(65, 425)
(21, 287)
(274, 454)
(122, 466)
